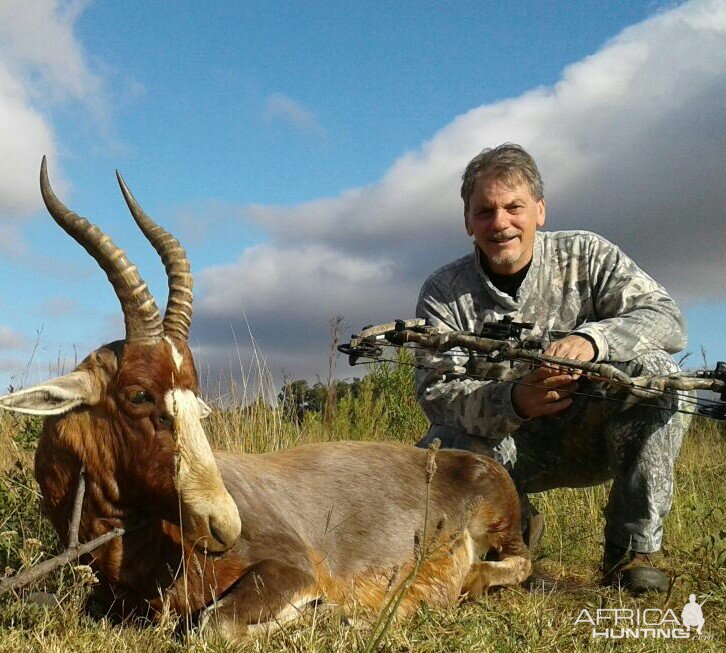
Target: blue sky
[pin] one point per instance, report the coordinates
(306, 154)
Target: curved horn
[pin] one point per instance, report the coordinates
(143, 322)
(178, 316)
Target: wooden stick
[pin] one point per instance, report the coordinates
(74, 549)
(71, 553)
(77, 507)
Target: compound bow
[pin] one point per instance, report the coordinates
(503, 341)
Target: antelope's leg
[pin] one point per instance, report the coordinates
(490, 573)
(270, 594)
(495, 528)
(513, 567)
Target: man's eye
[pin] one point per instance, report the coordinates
(139, 397)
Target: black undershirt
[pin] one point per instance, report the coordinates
(507, 283)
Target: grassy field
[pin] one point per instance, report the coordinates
(507, 620)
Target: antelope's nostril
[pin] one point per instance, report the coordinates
(224, 534)
(215, 533)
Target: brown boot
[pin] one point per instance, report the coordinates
(534, 530)
(631, 570)
(532, 533)
(532, 523)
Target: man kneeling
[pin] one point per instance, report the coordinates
(544, 425)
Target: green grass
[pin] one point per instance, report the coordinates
(511, 619)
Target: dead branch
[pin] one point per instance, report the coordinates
(77, 506)
(36, 572)
(72, 552)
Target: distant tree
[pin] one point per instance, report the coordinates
(297, 397)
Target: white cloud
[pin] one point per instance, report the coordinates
(257, 277)
(42, 63)
(287, 297)
(630, 142)
(37, 38)
(25, 135)
(279, 107)
(9, 339)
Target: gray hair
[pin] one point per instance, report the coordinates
(509, 162)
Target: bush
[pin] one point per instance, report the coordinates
(382, 402)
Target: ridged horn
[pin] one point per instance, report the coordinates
(141, 315)
(178, 316)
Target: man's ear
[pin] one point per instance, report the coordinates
(541, 212)
(53, 397)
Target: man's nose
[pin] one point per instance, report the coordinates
(500, 220)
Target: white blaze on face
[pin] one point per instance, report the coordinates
(208, 510)
(175, 355)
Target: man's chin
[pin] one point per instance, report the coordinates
(501, 259)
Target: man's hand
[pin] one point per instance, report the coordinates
(547, 390)
(575, 347)
(544, 391)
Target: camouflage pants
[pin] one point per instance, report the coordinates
(595, 440)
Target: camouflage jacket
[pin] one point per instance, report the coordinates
(577, 282)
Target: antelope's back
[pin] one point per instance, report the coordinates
(359, 504)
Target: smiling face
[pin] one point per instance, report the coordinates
(503, 217)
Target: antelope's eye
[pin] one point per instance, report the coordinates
(139, 397)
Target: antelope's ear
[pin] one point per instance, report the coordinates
(53, 397)
(204, 410)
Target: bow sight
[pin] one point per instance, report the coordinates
(505, 329)
(503, 341)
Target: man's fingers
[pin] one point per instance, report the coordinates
(566, 353)
(545, 397)
(553, 396)
(573, 372)
(560, 381)
(545, 373)
(541, 373)
(555, 407)
(574, 347)
(548, 389)
(560, 393)
(561, 351)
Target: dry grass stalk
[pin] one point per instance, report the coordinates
(421, 551)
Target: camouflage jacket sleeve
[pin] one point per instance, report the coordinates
(477, 407)
(633, 313)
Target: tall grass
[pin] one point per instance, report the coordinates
(509, 620)
(384, 409)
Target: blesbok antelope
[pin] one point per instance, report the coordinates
(262, 536)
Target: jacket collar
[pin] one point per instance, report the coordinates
(530, 281)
